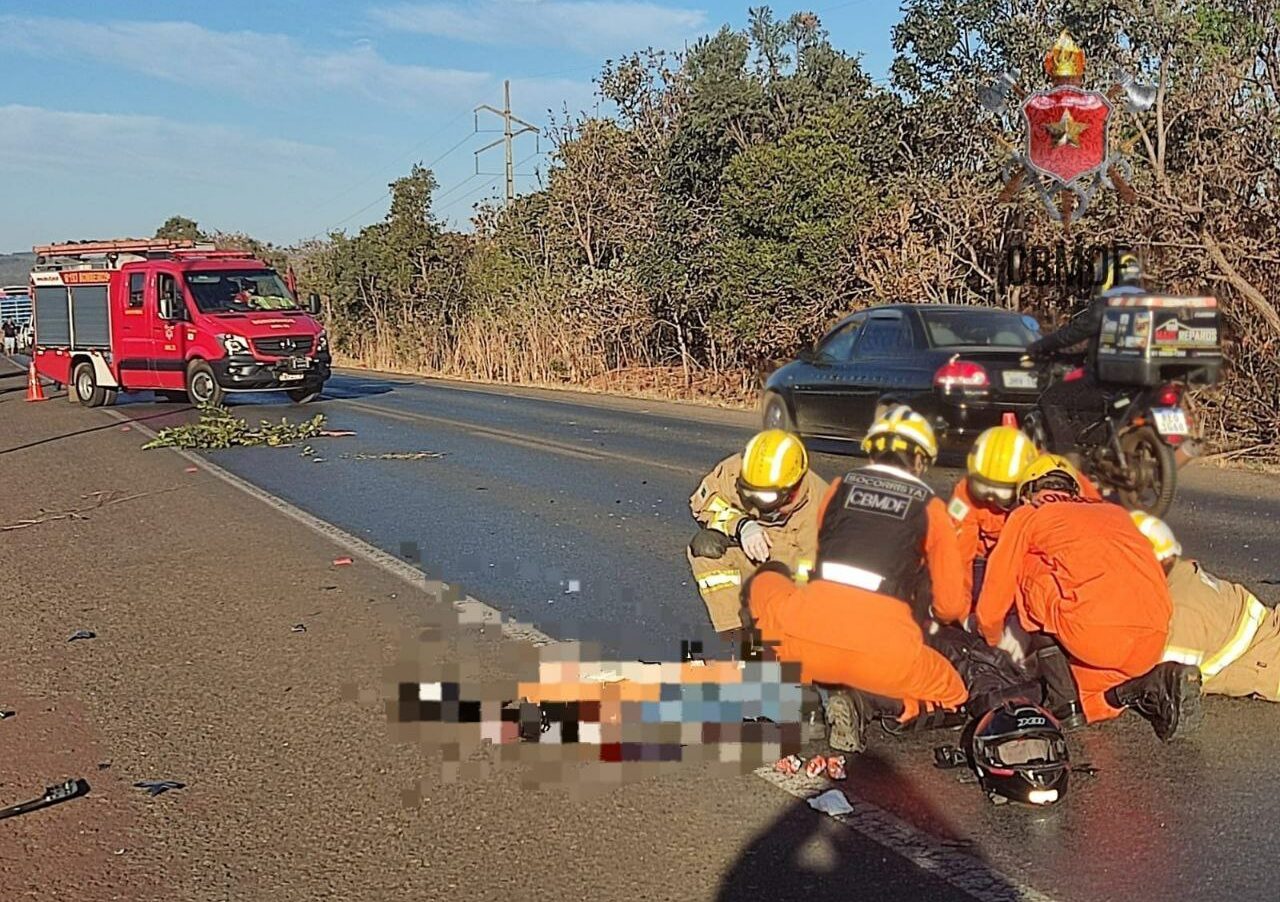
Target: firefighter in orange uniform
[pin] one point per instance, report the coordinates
(852, 624)
(1220, 627)
(1081, 572)
(982, 501)
(756, 506)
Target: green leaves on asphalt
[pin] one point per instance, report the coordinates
(218, 428)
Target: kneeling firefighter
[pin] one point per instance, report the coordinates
(881, 529)
(1218, 626)
(756, 506)
(1079, 573)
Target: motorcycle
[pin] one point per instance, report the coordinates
(1132, 451)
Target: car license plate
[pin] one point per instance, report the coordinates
(1171, 421)
(290, 377)
(1020, 379)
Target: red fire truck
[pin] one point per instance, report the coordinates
(184, 320)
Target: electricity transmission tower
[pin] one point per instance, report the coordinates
(508, 135)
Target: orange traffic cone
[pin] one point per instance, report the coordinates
(35, 391)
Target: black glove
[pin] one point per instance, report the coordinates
(709, 543)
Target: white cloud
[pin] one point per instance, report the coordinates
(262, 67)
(64, 143)
(597, 27)
(100, 171)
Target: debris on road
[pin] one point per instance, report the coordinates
(62, 792)
(299, 628)
(790, 765)
(218, 429)
(832, 801)
(192, 470)
(5, 715)
(156, 787)
(336, 433)
(342, 562)
(398, 455)
(82, 634)
(102, 499)
(835, 767)
(816, 767)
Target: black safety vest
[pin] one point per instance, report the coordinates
(876, 522)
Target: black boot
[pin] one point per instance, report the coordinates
(1168, 695)
(1061, 696)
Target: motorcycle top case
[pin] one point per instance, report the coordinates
(1152, 339)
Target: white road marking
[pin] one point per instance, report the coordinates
(962, 871)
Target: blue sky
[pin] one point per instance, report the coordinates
(285, 119)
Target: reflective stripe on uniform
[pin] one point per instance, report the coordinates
(1255, 612)
(722, 514)
(851, 576)
(719, 579)
(1183, 655)
(803, 569)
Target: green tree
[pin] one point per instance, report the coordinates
(180, 228)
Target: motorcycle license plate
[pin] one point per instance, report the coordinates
(1171, 421)
(1020, 379)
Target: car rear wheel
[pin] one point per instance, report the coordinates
(202, 385)
(776, 414)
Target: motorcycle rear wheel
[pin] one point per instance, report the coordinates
(1153, 470)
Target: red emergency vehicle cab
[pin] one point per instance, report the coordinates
(184, 320)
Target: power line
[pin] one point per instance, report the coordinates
(493, 181)
(387, 193)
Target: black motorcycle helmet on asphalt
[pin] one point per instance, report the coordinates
(1019, 754)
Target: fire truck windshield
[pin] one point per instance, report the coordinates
(240, 291)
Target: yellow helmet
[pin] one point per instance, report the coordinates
(773, 465)
(1158, 533)
(1000, 454)
(1119, 266)
(901, 429)
(1043, 466)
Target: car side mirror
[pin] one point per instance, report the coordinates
(313, 304)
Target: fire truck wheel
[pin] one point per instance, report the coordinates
(88, 392)
(202, 385)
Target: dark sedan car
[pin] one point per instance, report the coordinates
(958, 365)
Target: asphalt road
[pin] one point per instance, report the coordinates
(570, 512)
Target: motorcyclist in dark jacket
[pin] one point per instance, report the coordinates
(1070, 407)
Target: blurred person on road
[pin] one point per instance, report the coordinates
(10, 337)
(854, 625)
(1218, 626)
(755, 506)
(1080, 572)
